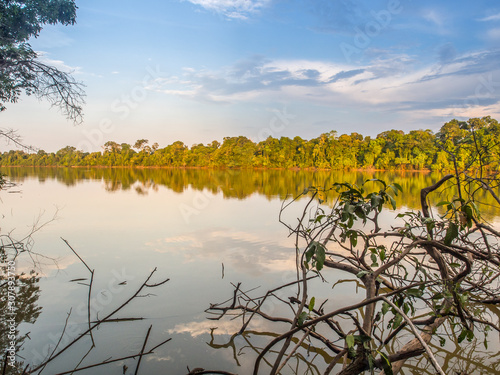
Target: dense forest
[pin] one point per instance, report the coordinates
(393, 149)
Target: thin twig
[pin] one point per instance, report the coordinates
(113, 360)
(142, 350)
(292, 352)
(144, 285)
(417, 335)
(58, 342)
(79, 257)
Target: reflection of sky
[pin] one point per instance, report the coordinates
(124, 235)
(245, 252)
(188, 236)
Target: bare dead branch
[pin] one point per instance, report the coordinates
(417, 335)
(105, 319)
(142, 350)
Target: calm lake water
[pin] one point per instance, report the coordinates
(202, 229)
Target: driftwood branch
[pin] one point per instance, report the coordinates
(417, 335)
(426, 271)
(94, 325)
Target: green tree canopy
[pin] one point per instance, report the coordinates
(20, 67)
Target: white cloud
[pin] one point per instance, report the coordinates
(242, 251)
(220, 327)
(493, 17)
(434, 17)
(494, 34)
(59, 64)
(196, 329)
(232, 8)
(388, 83)
(178, 243)
(438, 21)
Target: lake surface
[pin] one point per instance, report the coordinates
(204, 230)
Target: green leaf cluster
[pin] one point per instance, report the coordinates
(315, 256)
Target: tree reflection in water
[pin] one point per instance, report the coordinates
(239, 184)
(241, 344)
(236, 183)
(19, 293)
(466, 358)
(23, 298)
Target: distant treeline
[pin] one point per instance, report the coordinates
(393, 149)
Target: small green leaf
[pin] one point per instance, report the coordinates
(354, 238)
(397, 186)
(442, 203)
(398, 319)
(406, 308)
(311, 304)
(302, 318)
(393, 202)
(349, 340)
(470, 335)
(462, 335)
(382, 254)
(467, 210)
(371, 362)
(320, 256)
(414, 292)
(319, 218)
(451, 233)
(385, 308)
(362, 338)
(430, 224)
(386, 363)
(442, 341)
(362, 273)
(360, 213)
(310, 252)
(375, 200)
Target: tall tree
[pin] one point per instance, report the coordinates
(21, 69)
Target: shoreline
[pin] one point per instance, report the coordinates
(295, 169)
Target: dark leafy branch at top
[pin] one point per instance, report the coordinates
(21, 70)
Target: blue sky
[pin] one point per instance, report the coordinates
(200, 70)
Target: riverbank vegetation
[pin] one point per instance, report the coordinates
(389, 150)
(424, 285)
